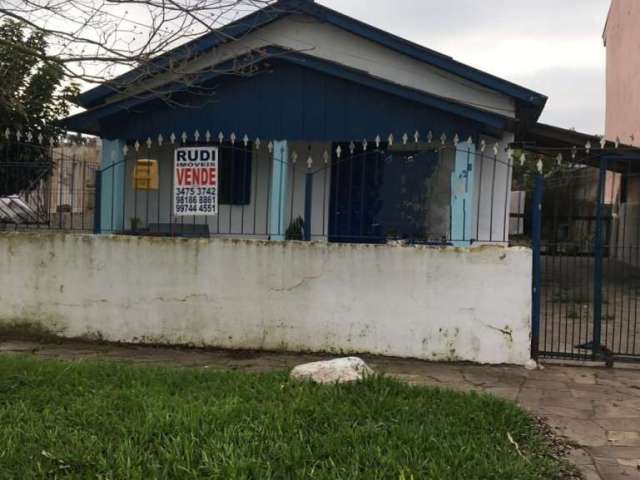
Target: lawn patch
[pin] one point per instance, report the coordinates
(116, 421)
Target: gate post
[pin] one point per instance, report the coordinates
(598, 261)
(536, 237)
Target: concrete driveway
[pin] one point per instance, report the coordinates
(596, 409)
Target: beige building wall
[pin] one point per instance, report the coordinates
(622, 40)
(72, 184)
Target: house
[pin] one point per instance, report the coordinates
(622, 42)
(59, 192)
(325, 127)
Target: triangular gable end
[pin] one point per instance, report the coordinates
(334, 37)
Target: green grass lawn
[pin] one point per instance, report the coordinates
(96, 420)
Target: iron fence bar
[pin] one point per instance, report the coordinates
(325, 173)
(231, 192)
(253, 193)
(308, 198)
(72, 190)
(493, 191)
(627, 282)
(598, 267)
(113, 198)
(147, 196)
(362, 193)
(59, 207)
(282, 171)
(507, 203)
(49, 182)
(124, 195)
(172, 216)
(134, 223)
(84, 193)
(97, 203)
(635, 317)
(244, 188)
(479, 193)
(159, 219)
(536, 236)
(293, 194)
(336, 198)
(350, 190)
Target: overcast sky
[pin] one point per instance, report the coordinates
(551, 46)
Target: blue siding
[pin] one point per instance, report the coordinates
(279, 187)
(462, 197)
(290, 102)
(112, 187)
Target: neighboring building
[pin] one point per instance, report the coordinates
(62, 194)
(321, 83)
(72, 182)
(622, 41)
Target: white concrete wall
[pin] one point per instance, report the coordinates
(428, 303)
(304, 34)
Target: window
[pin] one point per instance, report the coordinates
(234, 171)
(235, 165)
(624, 188)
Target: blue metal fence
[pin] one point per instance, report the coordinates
(586, 263)
(429, 192)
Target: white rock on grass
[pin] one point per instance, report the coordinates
(341, 370)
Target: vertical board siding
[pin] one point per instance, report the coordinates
(288, 102)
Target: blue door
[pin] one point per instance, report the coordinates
(462, 196)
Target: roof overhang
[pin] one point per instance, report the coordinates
(549, 140)
(89, 121)
(530, 104)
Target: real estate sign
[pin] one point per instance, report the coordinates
(195, 181)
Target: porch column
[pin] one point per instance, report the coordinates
(462, 196)
(278, 198)
(112, 166)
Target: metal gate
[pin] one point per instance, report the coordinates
(586, 242)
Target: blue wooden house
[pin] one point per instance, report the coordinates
(360, 134)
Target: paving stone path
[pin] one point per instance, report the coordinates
(596, 409)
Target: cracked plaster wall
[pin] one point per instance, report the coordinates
(421, 302)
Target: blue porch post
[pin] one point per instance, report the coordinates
(278, 200)
(112, 168)
(462, 195)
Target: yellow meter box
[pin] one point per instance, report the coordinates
(145, 175)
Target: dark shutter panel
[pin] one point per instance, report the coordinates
(235, 175)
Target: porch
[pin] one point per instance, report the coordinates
(435, 191)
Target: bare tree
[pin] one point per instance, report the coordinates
(96, 40)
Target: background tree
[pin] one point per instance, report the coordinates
(33, 95)
(51, 48)
(95, 40)
(32, 92)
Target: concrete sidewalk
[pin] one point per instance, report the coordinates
(597, 410)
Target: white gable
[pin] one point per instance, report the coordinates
(308, 35)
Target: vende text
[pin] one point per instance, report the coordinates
(196, 176)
